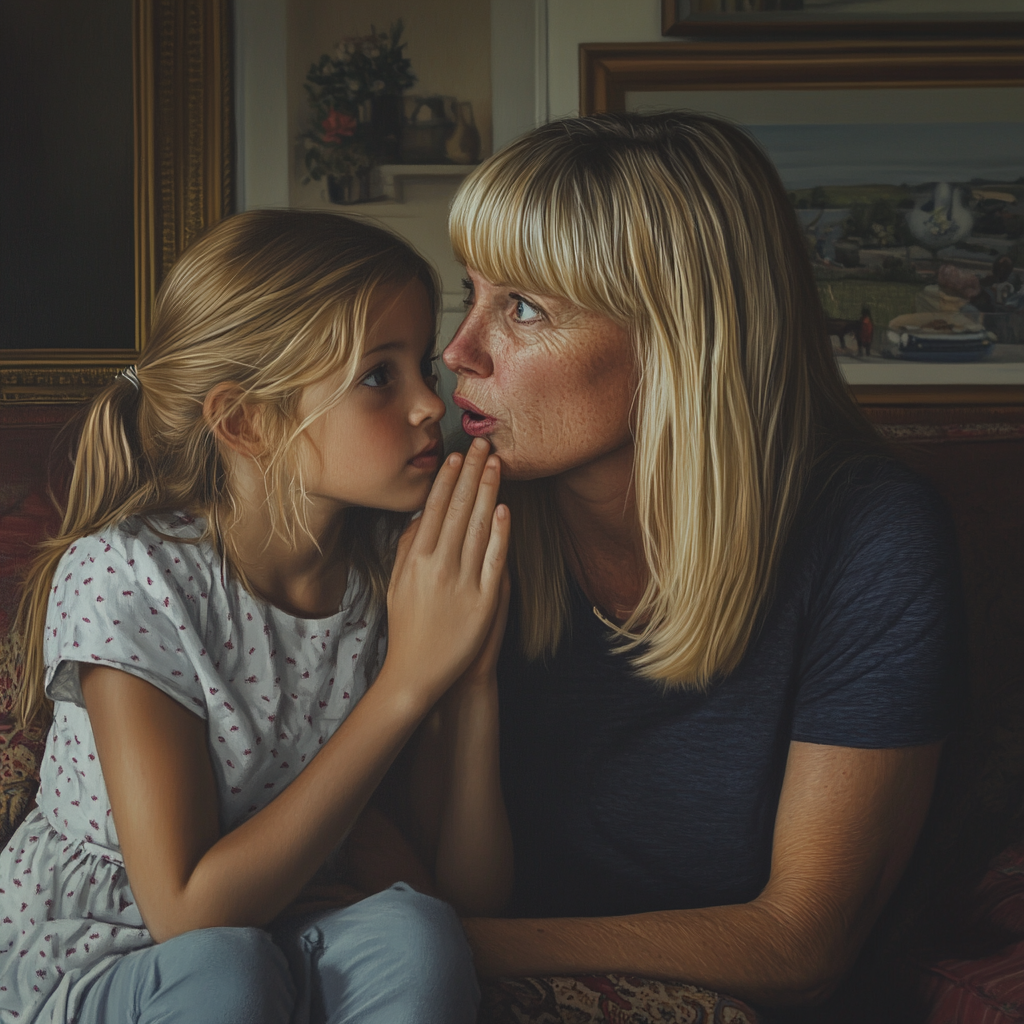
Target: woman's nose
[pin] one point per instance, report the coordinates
(468, 353)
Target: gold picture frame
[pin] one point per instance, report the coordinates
(609, 71)
(183, 179)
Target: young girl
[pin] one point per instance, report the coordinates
(208, 624)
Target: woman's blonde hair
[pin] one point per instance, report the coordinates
(272, 301)
(675, 226)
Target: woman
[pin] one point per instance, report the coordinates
(734, 649)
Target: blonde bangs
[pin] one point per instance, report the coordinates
(515, 223)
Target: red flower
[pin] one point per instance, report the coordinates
(337, 126)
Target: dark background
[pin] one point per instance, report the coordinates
(66, 175)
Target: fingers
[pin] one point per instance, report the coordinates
(452, 537)
(495, 556)
(478, 530)
(438, 501)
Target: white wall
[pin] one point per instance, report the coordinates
(571, 22)
(261, 103)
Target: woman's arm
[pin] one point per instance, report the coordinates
(847, 822)
(153, 752)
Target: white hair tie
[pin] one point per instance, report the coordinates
(129, 374)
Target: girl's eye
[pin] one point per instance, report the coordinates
(378, 377)
(427, 371)
(525, 313)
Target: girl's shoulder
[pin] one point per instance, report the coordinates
(137, 540)
(169, 551)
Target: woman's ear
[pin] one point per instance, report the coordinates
(233, 421)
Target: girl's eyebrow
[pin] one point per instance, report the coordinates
(383, 346)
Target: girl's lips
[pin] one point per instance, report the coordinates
(428, 458)
(475, 422)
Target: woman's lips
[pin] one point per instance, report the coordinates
(428, 458)
(475, 422)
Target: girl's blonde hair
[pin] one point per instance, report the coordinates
(676, 227)
(270, 300)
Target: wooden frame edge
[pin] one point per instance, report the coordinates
(183, 179)
(672, 25)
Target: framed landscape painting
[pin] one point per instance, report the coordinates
(904, 165)
(958, 19)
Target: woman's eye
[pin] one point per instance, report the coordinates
(378, 377)
(525, 312)
(468, 285)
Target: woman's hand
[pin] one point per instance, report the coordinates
(446, 585)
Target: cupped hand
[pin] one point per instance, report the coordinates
(447, 581)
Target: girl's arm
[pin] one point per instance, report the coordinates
(847, 822)
(153, 752)
(473, 862)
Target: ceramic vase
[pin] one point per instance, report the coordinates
(463, 146)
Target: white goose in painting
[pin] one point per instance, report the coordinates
(940, 218)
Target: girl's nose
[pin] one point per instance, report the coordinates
(468, 353)
(430, 408)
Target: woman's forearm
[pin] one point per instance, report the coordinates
(755, 950)
(473, 866)
(847, 822)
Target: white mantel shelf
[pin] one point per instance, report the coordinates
(392, 175)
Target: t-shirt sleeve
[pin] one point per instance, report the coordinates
(883, 662)
(105, 610)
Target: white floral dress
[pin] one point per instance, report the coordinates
(271, 687)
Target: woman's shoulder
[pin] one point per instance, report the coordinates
(875, 525)
(877, 500)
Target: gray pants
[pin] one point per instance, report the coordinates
(395, 958)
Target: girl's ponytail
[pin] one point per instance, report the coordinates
(271, 301)
(110, 482)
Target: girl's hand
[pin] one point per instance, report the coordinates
(446, 584)
(483, 670)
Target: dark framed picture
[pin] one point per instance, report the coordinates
(955, 19)
(904, 163)
(116, 157)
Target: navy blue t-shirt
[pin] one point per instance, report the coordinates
(626, 797)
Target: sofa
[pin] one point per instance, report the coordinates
(950, 946)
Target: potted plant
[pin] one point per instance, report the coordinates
(356, 117)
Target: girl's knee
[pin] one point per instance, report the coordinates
(421, 928)
(226, 974)
(397, 956)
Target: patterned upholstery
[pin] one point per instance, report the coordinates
(988, 990)
(612, 998)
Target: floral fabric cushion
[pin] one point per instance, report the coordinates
(612, 998)
(20, 750)
(989, 990)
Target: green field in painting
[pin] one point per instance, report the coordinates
(885, 299)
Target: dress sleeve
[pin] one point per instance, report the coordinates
(104, 609)
(883, 662)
